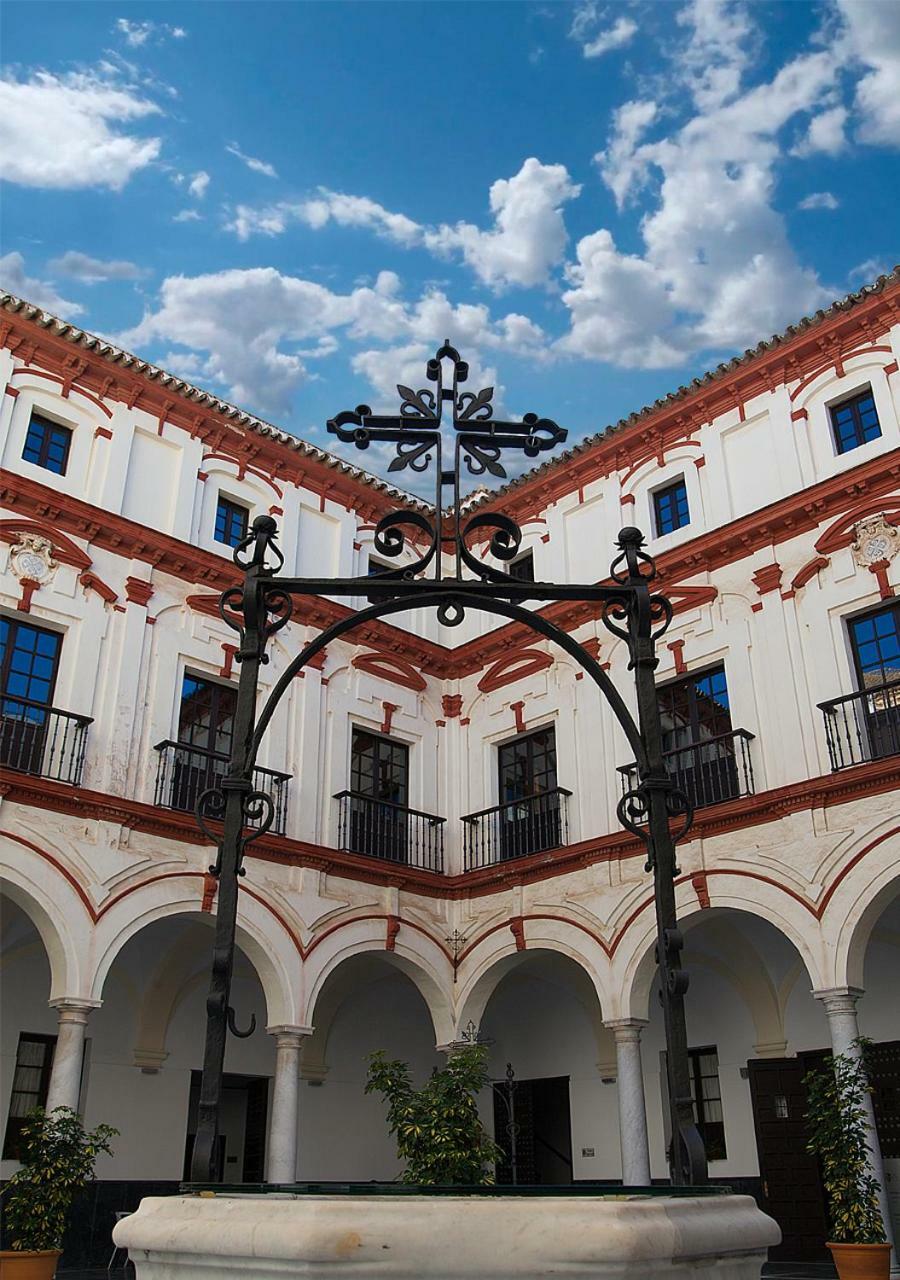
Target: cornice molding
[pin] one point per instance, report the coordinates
(822, 792)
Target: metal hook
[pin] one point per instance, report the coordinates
(241, 1035)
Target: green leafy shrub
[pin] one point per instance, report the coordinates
(437, 1128)
(57, 1160)
(838, 1127)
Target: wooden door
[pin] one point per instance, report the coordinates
(792, 1186)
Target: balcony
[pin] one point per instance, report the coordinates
(41, 740)
(516, 829)
(708, 772)
(863, 726)
(390, 832)
(184, 772)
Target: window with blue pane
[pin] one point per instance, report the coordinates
(47, 444)
(875, 638)
(670, 507)
(29, 657)
(232, 522)
(855, 422)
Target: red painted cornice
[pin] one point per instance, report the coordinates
(876, 778)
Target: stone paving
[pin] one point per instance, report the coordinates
(773, 1271)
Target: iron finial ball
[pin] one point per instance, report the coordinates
(265, 524)
(630, 537)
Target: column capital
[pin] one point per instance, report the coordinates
(839, 999)
(287, 1036)
(626, 1030)
(74, 1008)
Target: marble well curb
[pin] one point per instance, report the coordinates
(453, 1237)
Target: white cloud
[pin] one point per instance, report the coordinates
(825, 134)
(187, 215)
(137, 34)
(819, 200)
(318, 211)
(258, 166)
(622, 32)
(866, 272)
(528, 237)
(717, 270)
(251, 331)
(529, 234)
(873, 36)
(93, 270)
(67, 131)
(40, 292)
(718, 51)
(198, 184)
(587, 18)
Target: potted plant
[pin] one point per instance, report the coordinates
(438, 1129)
(58, 1158)
(838, 1128)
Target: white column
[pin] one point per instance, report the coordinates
(68, 1056)
(632, 1106)
(281, 1156)
(840, 1007)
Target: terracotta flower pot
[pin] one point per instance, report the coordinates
(862, 1261)
(25, 1264)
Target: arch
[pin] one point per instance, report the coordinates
(428, 969)
(637, 966)
(22, 876)
(500, 951)
(855, 902)
(266, 944)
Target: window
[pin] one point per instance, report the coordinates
(374, 566)
(31, 1080)
(707, 1095)
(522, 568)
(47, 444)
(698, 740)
(670, 507)
(205, 729)
(378, 821)
(379, 767)
(529, 815)
(232, 522)
(875, 642)
(855, 421)
(29, 657)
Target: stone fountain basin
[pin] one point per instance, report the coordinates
(400, 1233)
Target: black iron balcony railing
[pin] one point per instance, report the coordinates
(184, 772)
(864, 725)
(516, 828)
(42, 740)
(709, 771)
(392, 832)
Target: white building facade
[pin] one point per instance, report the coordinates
(446, 857)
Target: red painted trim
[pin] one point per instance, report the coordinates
(11, 392)
(809, 571)
(513, 667)
(891, 368)
(768, 578)
(518, 710)
(880, 570)
(29, 586)
(387, 666)
(138, 591)
(799, 415)
(64, 383)
(841, 532)
(677, 649)
(102, 433)
(64, 549)
(228, 653)
(389, 709)
(451, 705)
(63, 870)
(91, 582)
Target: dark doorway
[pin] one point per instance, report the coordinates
(529, 798)
(543, 1133)
(792, 1186)
(241, 1144)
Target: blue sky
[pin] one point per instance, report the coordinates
(293, 204)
